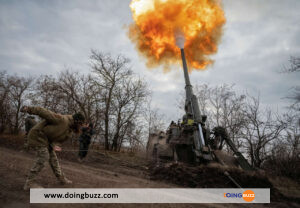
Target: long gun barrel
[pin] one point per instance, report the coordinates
(192, 109)
(191, 104)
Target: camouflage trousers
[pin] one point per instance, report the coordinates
(26, 146)
(44, 154)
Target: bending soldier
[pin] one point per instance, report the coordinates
(44, 136)
(85, 140)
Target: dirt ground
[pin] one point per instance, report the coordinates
(100, 170)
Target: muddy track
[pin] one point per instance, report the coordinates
(14, 166)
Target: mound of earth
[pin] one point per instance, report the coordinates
(211, 176)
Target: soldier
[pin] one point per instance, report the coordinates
(29, 123)
(44, 138)
(85, 140)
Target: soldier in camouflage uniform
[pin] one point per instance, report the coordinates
(85, 140)
(44, 138)
(29, 123)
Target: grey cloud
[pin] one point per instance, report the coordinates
(42, 37)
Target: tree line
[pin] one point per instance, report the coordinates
(118, 102)
(111, 96)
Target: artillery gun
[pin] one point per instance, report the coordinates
(190, 141)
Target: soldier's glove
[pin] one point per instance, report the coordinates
(24, 109)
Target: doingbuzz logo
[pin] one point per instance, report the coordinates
(247, 195)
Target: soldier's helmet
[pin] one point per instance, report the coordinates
(78, 118)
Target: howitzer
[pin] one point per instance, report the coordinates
(202, 141)
(191, 141)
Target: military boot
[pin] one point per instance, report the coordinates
(30, 184)
(63, 180)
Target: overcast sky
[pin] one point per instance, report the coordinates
(43, 37)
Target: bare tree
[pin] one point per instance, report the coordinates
(285, 153)
(109, 71)
(292, 140)
(46, 95)
(80, 91)
(227, 110)
(295, 94)
(5, 106)
(134, 136)
(261, 128)
(223, 107)
(154, 120)
(18, 92)
(130, 94)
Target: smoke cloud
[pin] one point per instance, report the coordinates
(162, 27)
(179, 37)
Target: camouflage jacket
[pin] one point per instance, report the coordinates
(53, 129)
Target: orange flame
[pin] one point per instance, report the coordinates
(156, 22)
